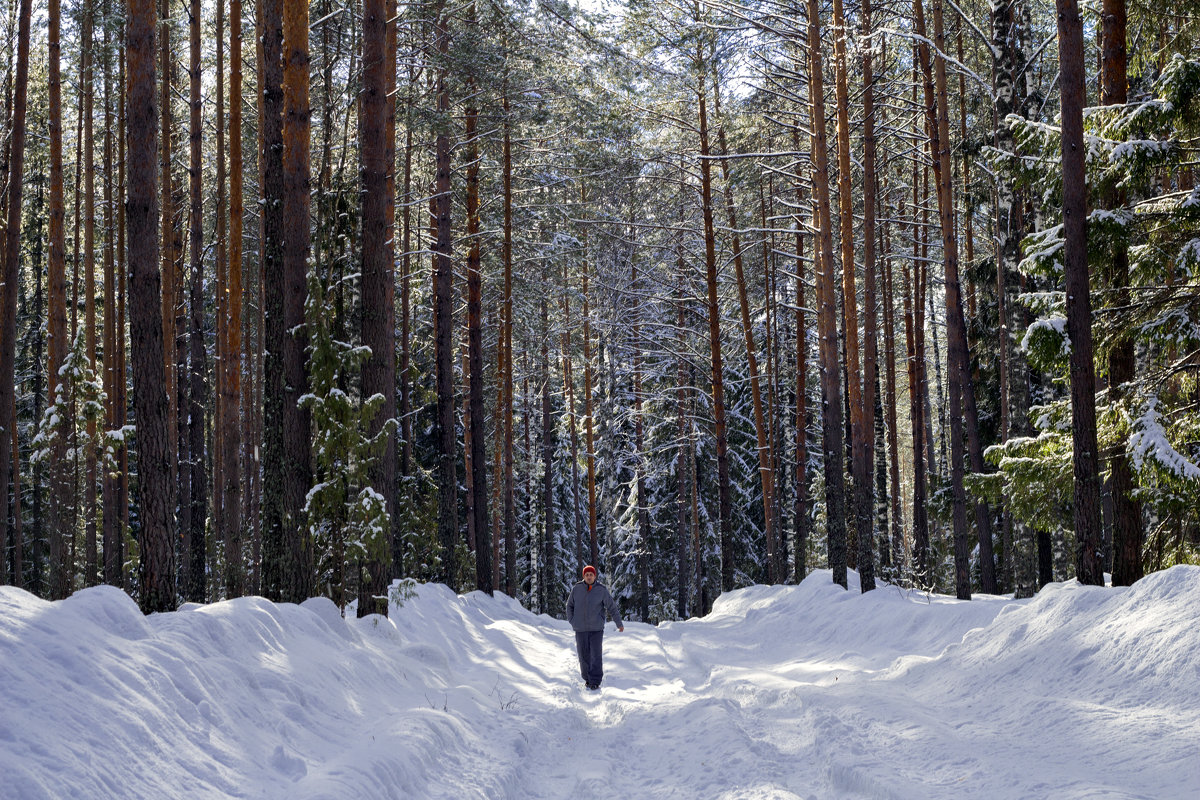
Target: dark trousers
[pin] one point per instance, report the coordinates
(590, 645)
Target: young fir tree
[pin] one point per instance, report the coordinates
(347, 517)
(1142, 146)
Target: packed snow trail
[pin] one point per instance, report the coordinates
(782, 692)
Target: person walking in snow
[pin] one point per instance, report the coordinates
(585, 612)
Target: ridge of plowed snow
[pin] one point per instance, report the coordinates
(781, 692)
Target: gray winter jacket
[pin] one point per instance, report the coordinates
(585, 607)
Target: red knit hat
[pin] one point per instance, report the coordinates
(589, 568)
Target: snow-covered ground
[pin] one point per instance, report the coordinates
(782, 692)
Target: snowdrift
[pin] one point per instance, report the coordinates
(781, 692)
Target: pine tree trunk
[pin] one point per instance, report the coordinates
(920, 308)
(221, 268)
(468, 466)
(1127, 513)
(406, 429)
(860, 462)
(1006, 87)
(378, 283)
(57, 291)
(478, 474)
(569, 391)
(231, 402)
(958, 351)
(920, 525)
(831, 385)
(391, 488)
(938, 387)
(641, 458)
(122, 315)
(168, 255)
(683, 588)
(114, 419)
(39, 312)
(1045, 558)
(765, 471)
(252, 402)
(771, 348)
(701, 568)
(983, 513)
(1004, 370)
(254, 444)
(506, 362)
(194, 579)
(270, 164)
(899, 548)
(157, 562)
(881, 486)
(593, 539)
(865, 457)
(443, 299)
(968, 225)
(800, 510)
(182, 491)
(714, 341)
(498, 464)
(194, 550)
(91, 473)
(17, 533)
(546, 580)
(59, 573)
(937, 115)
(1088, 562)
(298, 581)
(511, 584)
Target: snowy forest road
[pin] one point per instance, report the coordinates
(782, 692)
(808, 693)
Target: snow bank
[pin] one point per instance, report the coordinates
(241, 699)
